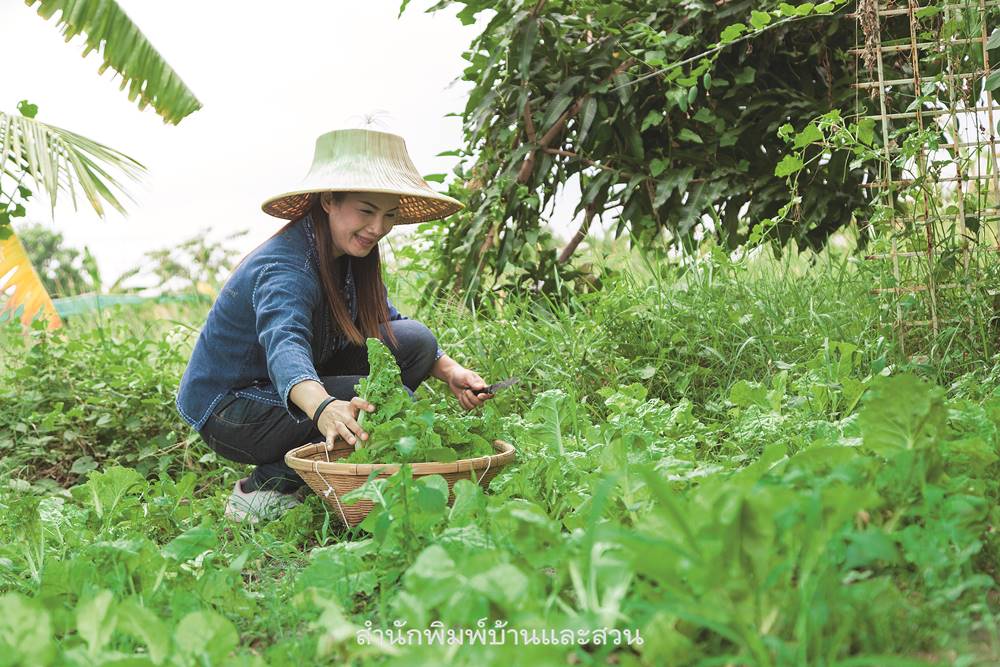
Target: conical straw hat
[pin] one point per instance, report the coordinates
(360, 160)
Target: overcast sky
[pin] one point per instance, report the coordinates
(271, 77)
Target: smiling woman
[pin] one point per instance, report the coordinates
(277, 360)
(357, 224)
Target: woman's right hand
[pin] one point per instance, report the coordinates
(340, 419)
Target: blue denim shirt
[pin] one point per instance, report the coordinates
(269, 328)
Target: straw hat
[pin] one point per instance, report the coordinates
(359, 160)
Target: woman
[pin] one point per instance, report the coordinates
(276, 363)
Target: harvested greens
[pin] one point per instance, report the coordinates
(403, 430)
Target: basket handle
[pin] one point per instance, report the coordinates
(329, 490)
(489, 460)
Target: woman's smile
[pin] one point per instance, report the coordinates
(358, 221)
(364, 241)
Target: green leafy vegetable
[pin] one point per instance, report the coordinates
(403, 430)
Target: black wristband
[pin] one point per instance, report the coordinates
(322, 406)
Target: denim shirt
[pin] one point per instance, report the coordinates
(269, 329)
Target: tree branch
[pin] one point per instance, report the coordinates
(529, 123)
(650, 193)
(588, 217)
(528, 166)
(587, 161)
(487, 242)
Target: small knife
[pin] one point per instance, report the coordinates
(497, 386)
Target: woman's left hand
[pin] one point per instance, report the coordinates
(467, 387)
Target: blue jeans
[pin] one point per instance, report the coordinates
(249, 431)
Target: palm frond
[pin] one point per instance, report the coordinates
(23, 287)
(108, 29)
(57, 159)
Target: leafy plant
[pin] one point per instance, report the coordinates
(108, 29)
(56, 159)
(403, 430)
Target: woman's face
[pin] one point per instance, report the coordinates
(360, 220)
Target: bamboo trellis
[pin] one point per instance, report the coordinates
(937, 199)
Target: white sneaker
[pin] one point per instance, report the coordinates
(257, 505)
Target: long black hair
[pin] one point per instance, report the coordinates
(373, 310)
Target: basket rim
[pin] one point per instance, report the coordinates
(295, 460)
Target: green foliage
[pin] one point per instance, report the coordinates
(57, 159)
(726, 463)
(382, 387)
(108, 29)
(17, 195)
(198, 265)
(903, 414)
(64, 270)
(401, 430)
(76, 397)
(663, 115)
(800, 553)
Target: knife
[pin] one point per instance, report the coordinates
(497, 386)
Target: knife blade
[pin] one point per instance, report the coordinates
(497, 386)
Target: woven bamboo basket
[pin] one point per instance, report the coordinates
(331, 480)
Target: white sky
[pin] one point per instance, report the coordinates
(271, 78)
